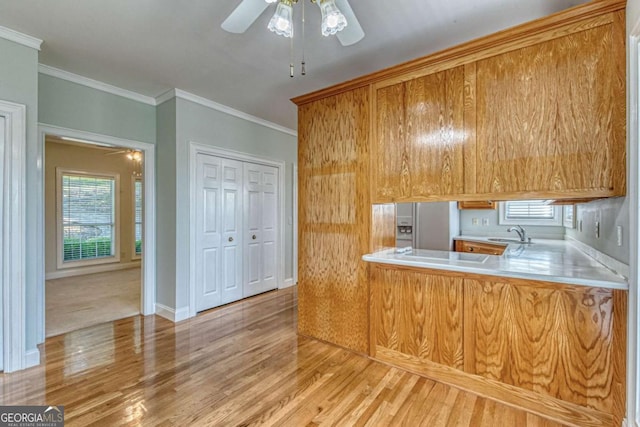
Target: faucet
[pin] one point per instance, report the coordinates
(522, 233)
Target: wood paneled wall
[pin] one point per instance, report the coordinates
(334, 219)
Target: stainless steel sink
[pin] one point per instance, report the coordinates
(501, 240)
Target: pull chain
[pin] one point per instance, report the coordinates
(303, 68)
(291, 59)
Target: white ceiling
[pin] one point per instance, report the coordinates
(151, 46)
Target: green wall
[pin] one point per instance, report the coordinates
(166, 204)
(19, 84)
(70, 105)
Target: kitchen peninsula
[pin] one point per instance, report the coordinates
(532, 112)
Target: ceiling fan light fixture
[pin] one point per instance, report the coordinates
(282, 21)
(332, 18)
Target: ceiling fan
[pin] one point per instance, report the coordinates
(337, 18)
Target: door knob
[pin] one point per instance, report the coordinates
(253, 237)
(231, 239)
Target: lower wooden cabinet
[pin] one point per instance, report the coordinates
(479, 247)
(417, 314)
(553, 349)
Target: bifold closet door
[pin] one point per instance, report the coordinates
(261, 228)
(218, 231)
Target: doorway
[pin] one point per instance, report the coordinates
(104, 243)
(93, 207)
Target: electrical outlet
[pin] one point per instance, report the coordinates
(474, 221)
(485, 222)
(619, 234)
(597, 229)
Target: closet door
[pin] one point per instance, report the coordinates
(218, 231)
(261, 228)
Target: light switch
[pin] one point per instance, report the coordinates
(485, 222)
(619, 234)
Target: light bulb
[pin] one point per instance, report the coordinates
(332, 18)
(282, 21)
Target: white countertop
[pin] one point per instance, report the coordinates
(549, 260)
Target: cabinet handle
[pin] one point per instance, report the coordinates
(470, 249)
(253, 237)
(231, 239)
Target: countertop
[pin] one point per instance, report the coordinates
(549, 260)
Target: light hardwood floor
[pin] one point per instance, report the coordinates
(242, 364)
(74, 303)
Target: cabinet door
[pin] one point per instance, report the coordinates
(420, 138)
(550, 117)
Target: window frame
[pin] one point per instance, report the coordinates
(61, 263)
(556, 221)
(134, 255)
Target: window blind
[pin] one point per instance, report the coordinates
(529, 209)
(138, 216)
(88, 217)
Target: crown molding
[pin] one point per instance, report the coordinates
(95, 84)
(20, 38)
(178, 93)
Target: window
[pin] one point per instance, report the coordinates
(87, 218)
(568, 216)
(137, 217)
(530, 212)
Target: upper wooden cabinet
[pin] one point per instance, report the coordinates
(535, 111)
(551, 116)
(419, 142)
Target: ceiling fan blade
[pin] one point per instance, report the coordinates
(353, 32)
(244, 15)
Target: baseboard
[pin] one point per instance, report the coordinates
(172, 314)
(287, 283)
(32, 358)
(91, 270)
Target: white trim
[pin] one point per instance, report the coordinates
(197, 148)
(633, 156)
(95, 84)
(612, 264)
(295, 224)
(72, 272)
(177, 93)
(14, 237)
(148, 282)
(20, 38)
(32, 358)
(115, 258)
(171, 314)
(287, 283)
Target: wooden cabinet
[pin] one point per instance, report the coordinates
(553, 349)
(417, 314)
(550, 116)
(420, 137)
(335, 219)
(557, 340)
(479, 247)
(475, 204)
